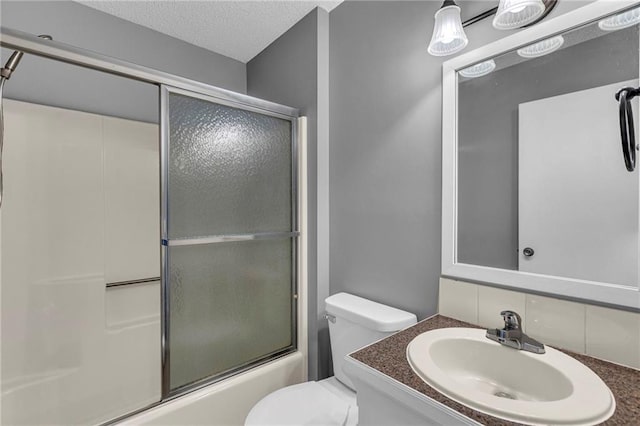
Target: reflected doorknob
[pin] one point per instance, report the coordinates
(528, 251)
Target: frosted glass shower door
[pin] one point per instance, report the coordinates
(229, 237)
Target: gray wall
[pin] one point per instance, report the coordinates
(488, 135)
(52, 83)
(290, 71)
(385, 149)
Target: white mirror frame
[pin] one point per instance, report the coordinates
(589, 291)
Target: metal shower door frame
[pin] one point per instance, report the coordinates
(260, 107)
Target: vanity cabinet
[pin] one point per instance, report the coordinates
(383, 401)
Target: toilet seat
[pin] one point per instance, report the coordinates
(311, 403)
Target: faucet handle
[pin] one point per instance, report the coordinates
(512, 320)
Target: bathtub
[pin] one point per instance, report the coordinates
(227, 402)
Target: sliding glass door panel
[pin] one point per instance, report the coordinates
(230, 305)
(230, 170)
(229, 238)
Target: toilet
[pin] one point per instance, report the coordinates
(354, 322)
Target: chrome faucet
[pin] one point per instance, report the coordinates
(511, 335)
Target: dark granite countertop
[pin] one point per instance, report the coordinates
(389, 357)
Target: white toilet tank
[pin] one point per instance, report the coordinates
(359, 322)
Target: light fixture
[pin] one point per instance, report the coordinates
(478, 70)
(542, 48)
(448, 32)
(448, 35)
(512, 14)
(621, 20)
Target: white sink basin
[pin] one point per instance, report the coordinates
(536, 389)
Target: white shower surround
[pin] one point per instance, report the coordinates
(69, 176)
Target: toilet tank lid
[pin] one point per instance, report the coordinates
(367, 313)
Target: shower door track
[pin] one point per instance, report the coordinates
(52, 49)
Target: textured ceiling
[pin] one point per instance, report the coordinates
(239, 29)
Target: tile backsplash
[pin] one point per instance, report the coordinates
(459, 300)
(605, 333)
(556, 322)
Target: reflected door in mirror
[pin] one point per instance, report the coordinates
(577, 204)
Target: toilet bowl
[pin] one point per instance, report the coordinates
(354, 322)
(326, 402)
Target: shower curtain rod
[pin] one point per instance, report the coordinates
(30, 43)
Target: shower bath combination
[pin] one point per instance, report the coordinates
(5, 74)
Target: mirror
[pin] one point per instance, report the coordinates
(541, 195)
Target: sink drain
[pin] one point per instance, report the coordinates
(504, 395)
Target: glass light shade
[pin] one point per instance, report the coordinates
(621, 20)
(542, 48)
(448, 35)
(478, 70)
(513, 14)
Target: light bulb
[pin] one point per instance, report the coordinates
(478, 70)
(448, 35)
(517, 13)
(621, 20)
(542, 48)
